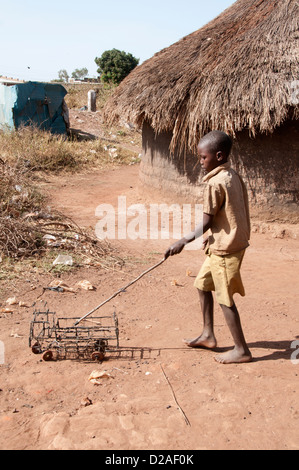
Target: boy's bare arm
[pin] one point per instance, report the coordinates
(178, 246)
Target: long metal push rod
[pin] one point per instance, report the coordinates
(120, 290)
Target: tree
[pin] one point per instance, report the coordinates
(79, 74)
(63, 75)
(115, 65)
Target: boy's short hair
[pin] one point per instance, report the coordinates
(218, 141)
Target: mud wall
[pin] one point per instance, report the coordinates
(269, 164)
(175, 174)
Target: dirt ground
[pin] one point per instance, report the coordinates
(159, 394)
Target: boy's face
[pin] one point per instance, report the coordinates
(208, 159)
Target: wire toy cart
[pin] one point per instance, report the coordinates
(60, 338)
(80, 338)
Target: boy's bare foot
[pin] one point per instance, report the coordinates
(206, 342)
(234, 357)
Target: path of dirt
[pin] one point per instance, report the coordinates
(249, 406)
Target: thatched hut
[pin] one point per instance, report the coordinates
(239, 73)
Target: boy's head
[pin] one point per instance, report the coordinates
(214, 149)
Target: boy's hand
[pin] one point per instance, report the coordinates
(176, 248)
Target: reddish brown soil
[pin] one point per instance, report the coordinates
(249, 406)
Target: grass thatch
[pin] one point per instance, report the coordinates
(32, 149)
(234, 73)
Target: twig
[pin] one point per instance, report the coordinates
(180, 408)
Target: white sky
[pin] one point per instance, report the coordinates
(65, 34)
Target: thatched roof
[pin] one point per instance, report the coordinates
(236, 72)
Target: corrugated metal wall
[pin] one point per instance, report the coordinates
(33, 103)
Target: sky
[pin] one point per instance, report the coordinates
(38, 38)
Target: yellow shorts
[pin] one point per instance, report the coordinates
(222, 275)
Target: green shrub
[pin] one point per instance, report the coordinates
(115, 65)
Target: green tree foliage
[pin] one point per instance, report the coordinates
(63, 75)
(79, 74)
(115, 65)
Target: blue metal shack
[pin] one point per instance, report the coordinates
(33, 103)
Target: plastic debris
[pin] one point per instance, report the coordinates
(65, 260)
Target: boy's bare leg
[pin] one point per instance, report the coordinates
(207, 338)
(240, 353)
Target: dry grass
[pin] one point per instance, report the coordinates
(77, 94)
(30, 229)
(36, 150)
(18, 194)
(25, 219)
(31, 233)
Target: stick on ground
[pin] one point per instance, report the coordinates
(175, 399)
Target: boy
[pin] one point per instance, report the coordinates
(226, 214)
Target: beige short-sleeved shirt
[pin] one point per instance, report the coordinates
(226, 198)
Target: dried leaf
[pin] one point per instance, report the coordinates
(6, 310)
(96, 375)
(12, 301)
(57, 283)
(86, 285)
(24, 304)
